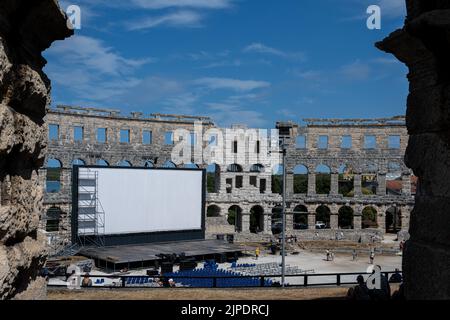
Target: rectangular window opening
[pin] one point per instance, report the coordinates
(323, 142)
(53, 132)
(146, 137)
(124, 136)
(346, 142)
(78, 133)
(101, 135)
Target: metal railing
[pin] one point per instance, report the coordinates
(123, 283)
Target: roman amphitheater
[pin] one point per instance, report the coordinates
(344, 176)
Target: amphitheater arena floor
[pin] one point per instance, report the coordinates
(200, 294)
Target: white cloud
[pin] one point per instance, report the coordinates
(88, 70)
(221, 64)
(263, 49)
(309, 75)
(91, 54)
(356, 71)
(231, 84)
(387, 61)
(228, 114)
(200, 4)
(393, 8)
(190, 19)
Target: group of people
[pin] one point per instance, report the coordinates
(330, 255)
(362, 292)
(339, 236)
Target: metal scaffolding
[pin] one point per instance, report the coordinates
(91, 216)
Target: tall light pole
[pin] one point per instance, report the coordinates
(283, 233)
(283, 212)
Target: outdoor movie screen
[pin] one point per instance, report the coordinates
(139, 200)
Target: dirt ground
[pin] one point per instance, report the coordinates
(199, 294)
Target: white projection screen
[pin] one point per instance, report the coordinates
(140, 200)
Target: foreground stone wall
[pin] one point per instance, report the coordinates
(424, 46)
(26, 29)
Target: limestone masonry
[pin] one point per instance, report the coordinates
(346, 175)
(424, 46)
(26, 29)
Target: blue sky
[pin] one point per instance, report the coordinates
(239, 61)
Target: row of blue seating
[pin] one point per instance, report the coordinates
(243, 265)
(233, 279)
(138, 280)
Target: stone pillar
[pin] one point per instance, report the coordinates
(289, 222)
(357, 185)
(424, 46)
(334, 184)
(268, 184)
(26, 30)
(66, 183)
(312, 221)
(357, 222)
(289, 183)
(311, 184)
(381, 179)
(268, 223)
(381, 219)
(334, 220)
(406, 184)
(405, 212)
(245, 222)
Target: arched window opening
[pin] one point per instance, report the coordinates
(369, 218)
(256, 219)
(323, 217)
(323, 179)
(345, 218)
(52, 217)
(300, 179)
(53, 181)
(300, 218)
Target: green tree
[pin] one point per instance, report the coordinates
(211, 182)
(369, 218)
(300, 183)
(277, 184)
(345, 218)
(232, 217)
(323, 183)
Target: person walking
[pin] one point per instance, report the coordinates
(372, 256)
(354, 255)
(257, 252)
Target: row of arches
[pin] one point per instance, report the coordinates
(57, 164)
(367, 167)
(322, 178)
(368, 182)
(369, 218)
(255, 168)
(300, 218)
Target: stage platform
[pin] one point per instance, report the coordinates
(146, 255)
